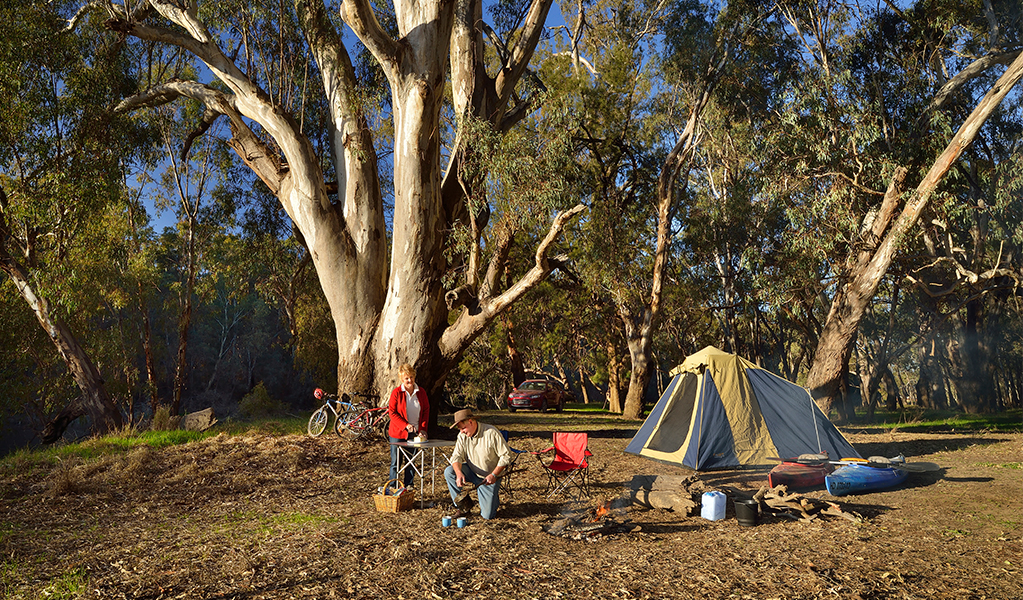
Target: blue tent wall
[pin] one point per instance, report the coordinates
(639, 440)
(794, 419)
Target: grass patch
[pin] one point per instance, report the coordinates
(261, 525)
(24, 461)
(921, 420)
(586, 408)
(302, 519)
(1012, 465)
(8, 577)
(282, 425)
(69, 585)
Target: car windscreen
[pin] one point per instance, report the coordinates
(529, 386)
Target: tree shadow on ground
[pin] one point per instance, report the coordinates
(918, 447)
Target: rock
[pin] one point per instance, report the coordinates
(199, 421)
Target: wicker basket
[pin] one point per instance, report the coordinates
(402, 501)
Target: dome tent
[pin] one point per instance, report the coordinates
(720, 411)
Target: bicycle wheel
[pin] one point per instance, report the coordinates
(356, 427)
(380, 427)
(318, 422)
(345, 419)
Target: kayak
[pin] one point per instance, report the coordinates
(857, 479)
(798, 475)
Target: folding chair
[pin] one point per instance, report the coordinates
(569, 466)
(512, 468)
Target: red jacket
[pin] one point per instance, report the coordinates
(399, 416)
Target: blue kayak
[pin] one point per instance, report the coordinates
(857, 479)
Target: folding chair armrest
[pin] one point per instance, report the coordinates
(539, 452)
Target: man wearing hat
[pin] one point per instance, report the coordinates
(480, 455)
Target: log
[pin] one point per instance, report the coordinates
(799, 507)
(54, 430)
(665, 492)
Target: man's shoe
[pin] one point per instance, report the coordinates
(461, 512)
(464, 501)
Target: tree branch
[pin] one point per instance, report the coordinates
(244, 142)
(458, 336)
(971, 72)
(523, 51)
(359, 15)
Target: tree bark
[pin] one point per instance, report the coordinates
(640, 324)
(614, 385)
(54, 430)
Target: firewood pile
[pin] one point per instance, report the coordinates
(799, 507)
(682, 494)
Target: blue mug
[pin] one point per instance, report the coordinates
(446, 521)
(461, 521)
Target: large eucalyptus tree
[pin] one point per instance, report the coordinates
(381, 268)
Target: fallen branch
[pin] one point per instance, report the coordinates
(799, 507)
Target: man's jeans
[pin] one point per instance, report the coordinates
(488, 494)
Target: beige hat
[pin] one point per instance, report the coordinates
(460, 416)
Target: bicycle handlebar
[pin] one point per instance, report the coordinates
(319, 394)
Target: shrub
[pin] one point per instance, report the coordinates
(258, 404)
(161, 419)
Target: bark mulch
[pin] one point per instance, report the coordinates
(287, 516)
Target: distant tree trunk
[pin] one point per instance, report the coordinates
(726, 273)
(976, 388)
(930, 393)
(640, 323)
(894, 395)
(639, 339)
(518, 371)
(869, 383)
(228, 320)
(147, 349)
(583, 388)
(868, 266)
(184, 329)
(95, 400)
(614, 386)
(146, 331)
(1014, 383)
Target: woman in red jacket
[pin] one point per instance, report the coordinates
(409, 410)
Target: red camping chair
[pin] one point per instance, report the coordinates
(569, 466)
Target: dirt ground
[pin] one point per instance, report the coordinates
(287, 516)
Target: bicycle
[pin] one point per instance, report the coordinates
(364, 423)
(344, 409)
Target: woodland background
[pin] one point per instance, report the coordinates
(185, 283)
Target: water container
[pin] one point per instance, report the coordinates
(713, 508)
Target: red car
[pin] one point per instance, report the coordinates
(540, 394)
